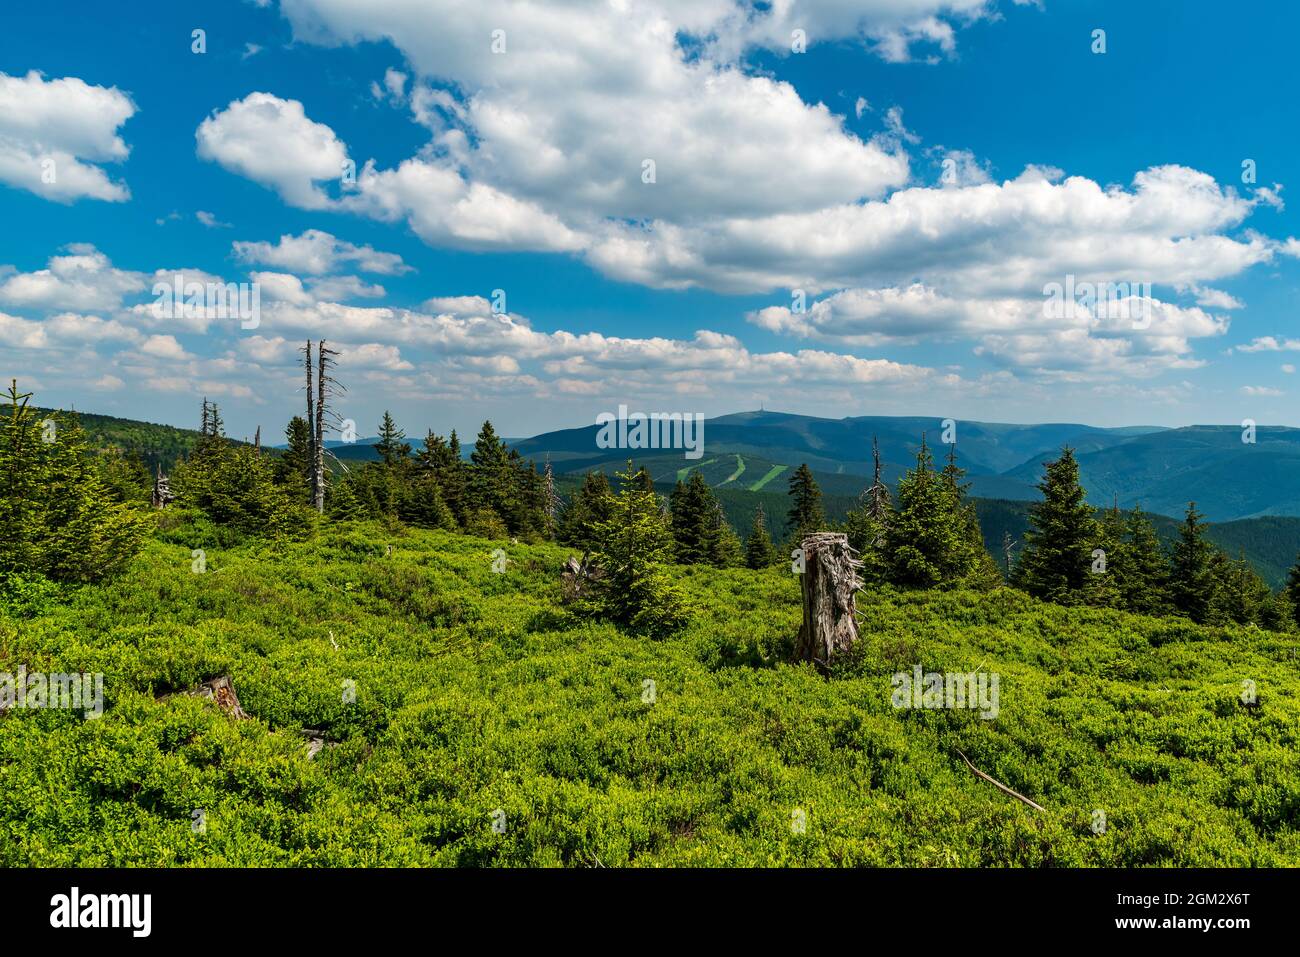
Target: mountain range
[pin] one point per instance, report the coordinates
(1161, 469)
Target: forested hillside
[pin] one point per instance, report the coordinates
(742, 483)
(152, 444)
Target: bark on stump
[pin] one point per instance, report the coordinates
(830, 580)
(577, 575)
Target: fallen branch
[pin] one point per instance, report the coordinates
(998, 784)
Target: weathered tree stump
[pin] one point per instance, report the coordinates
(577, 575)
(830, 580)
(221, 692)
(162, 490)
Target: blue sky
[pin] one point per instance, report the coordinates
(921, 171)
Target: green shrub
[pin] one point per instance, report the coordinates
(476, 693)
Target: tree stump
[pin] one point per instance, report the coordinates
(162, 490)
(830, 580)
(577, 575)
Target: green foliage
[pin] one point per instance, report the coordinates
(392, 448)
(478, 689)
(486, 523)
(932, 539)
(125, 476)
(1239, 596)
(701, 535)
(24, 596)
(475, 691)
(592, 506)
(1193, 578)
(1143, 573)
(440, 461)
(496, 495)
(500, 481)
(867, 524)
(1057, 560)
(235, 487)
(806, 513)
(153, 445)
(1292, 589)
(633, 546)
(292, 468)
(58, 517)
(759, 550)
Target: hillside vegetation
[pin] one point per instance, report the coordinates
(422, 684)
(1270, 543)
(478, 699)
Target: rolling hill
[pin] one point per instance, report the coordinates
(1211, 465)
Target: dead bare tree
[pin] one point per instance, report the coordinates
(552, 499)
(321, 387)
(876, 501)
(1008, 546)
(326, 388)
(311, 418)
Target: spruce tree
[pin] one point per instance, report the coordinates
(728, 552)
(234, 486)
(969, 565)
(422, 504)
(57, 517)
(492, 475)
(1144, 579)
(1192, 580)
(392, 446)
(591, 505)
(342, 502)
(1241, 596)
(632, 546)
(527, 511)
(1277, 614)
(644, 480)
(1109, 566)
(292, 468)
(694, 521)
(805, 515)
(928, 539)
(440, 460)
(759, 550)
(1292, 589)
(1056, 562)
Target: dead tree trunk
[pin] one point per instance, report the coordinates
(318, 432)
(162, 490)
(324, 388)
(830, 580)
(311, 424)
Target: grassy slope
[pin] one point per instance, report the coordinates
(475, 692)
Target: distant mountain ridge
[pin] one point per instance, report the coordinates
(1159, 468)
